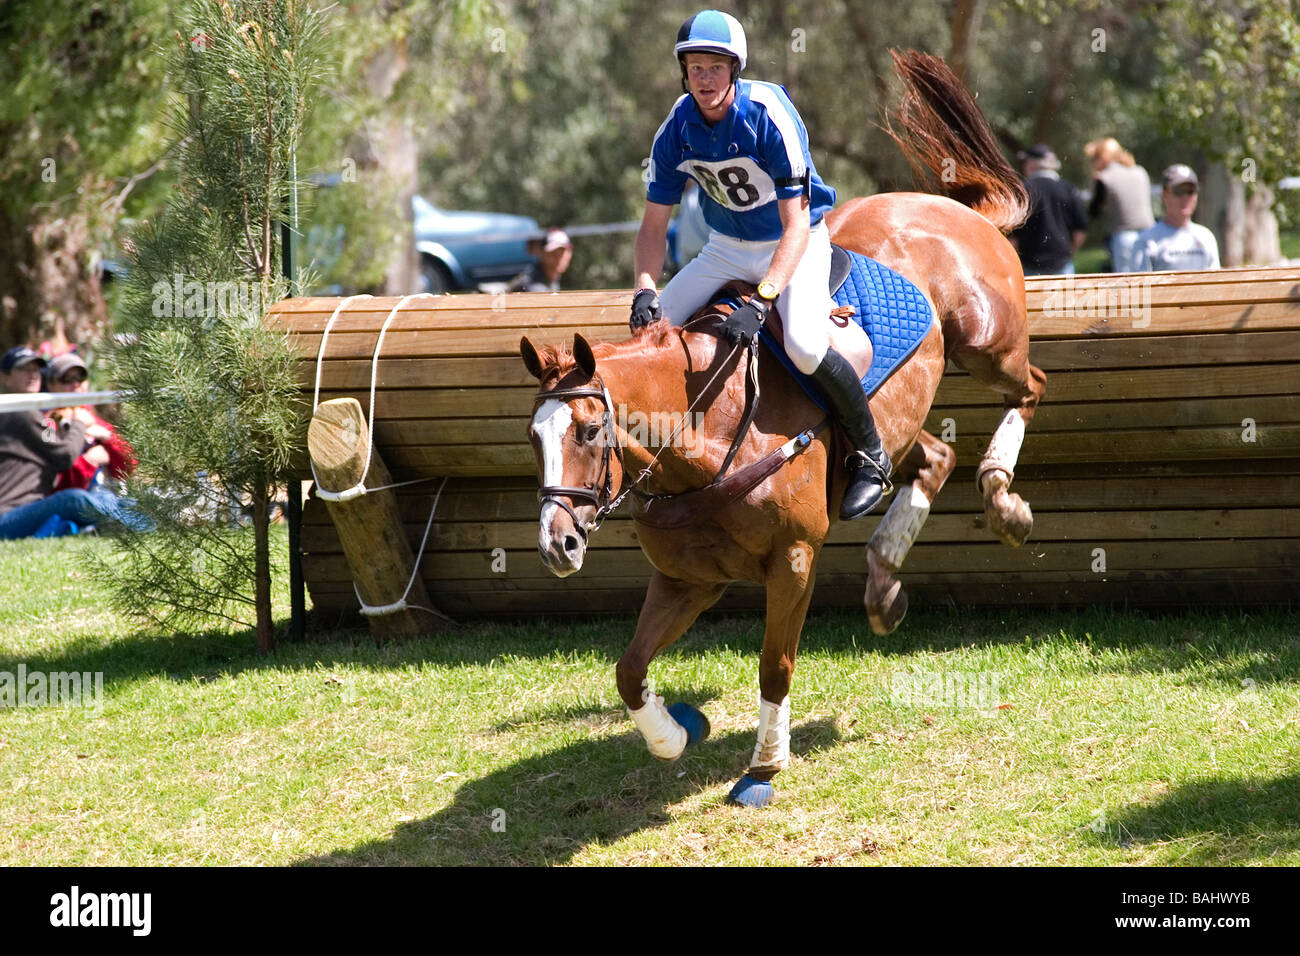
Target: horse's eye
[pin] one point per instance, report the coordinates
(589, 433)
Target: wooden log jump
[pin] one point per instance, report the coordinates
(1163, 466)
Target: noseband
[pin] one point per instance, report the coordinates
(602, 496)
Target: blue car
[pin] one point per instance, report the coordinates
(460, 250)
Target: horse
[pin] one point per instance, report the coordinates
(953, 247)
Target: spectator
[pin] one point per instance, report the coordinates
(68, 373)
(554, 254)
(34, 448)
(1057, 223)
(1175, 242)
(1122, 189)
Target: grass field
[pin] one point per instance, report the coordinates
(1112, 738)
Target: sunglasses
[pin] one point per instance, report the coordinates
(1184, 190)
(71, 378)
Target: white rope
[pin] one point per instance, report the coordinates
(373, 610)
(359, 488)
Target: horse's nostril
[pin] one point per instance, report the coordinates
(571, 543)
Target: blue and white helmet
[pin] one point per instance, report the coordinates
(712, 31)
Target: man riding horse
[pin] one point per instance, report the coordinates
(745, 144)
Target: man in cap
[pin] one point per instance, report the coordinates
(746, 146)
(34, 448)
(1057, 223)
(1175, 242)
(554, 253)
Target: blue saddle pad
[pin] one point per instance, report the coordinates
(889, 308)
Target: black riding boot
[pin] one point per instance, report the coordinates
(869, 467)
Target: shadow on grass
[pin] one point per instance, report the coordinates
(1231, 647)
(546, 809)
(1223, 822)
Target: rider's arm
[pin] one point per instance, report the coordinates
(794, 240)
(651, 245)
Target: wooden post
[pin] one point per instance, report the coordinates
(369, 526)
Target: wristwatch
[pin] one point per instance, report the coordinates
(767, 290)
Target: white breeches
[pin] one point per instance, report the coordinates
(805, 303)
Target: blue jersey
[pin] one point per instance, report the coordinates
(756, 154)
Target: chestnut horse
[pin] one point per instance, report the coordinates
(954, 250)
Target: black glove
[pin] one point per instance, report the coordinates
(645, 309)
(742, 325)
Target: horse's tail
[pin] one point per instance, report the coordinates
(944, 133)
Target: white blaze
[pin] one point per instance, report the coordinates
(550, 423)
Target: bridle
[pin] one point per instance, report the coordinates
(601, 493)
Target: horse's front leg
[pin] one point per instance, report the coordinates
(789, 592)
(670, 607)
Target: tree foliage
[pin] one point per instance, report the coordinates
(214, 413)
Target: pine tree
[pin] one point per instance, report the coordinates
(214, 413)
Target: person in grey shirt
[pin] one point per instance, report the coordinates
(1122, 189)
(1175, 242)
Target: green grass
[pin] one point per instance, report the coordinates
(1119, 739)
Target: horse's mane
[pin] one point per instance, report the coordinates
(558, 360)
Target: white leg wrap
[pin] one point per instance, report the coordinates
(896, 534)
(665, 737)
(773, 748)
(1004, 450)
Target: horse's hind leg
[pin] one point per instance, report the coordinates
(1022, 386)
(885, 599)
(670, 607)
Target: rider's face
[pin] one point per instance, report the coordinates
(709, 77)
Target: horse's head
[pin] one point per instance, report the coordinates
(572, 437)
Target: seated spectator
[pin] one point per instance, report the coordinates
(1175, 242)
(1057, 224)
(111, 458)
(35, 447)
(554, 254)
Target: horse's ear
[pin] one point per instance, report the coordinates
(532, 361)
(583, 355)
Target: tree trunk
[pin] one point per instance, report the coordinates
(390, 154)
(1058, 80)
(965, 28)
(262, 570)
(47, 282)
(1245, 228)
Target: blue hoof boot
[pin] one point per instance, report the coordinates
(693, 719)
(749, 792)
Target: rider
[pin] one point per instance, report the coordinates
(745, 145)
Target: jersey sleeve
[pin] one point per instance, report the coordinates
(783, 142)
(664, 181)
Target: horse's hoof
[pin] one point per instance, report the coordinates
(1010, 518)
(692, 720)
(749, 792)
(887, 612)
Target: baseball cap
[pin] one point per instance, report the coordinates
(556, 239)
(20, 355)
(62, 364)
(1178, 174)
(1043, 153)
